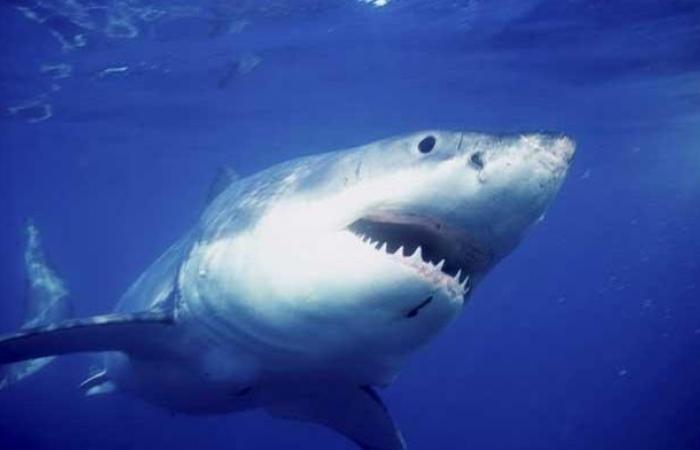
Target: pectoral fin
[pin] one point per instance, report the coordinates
(133, 333)
(356, 412)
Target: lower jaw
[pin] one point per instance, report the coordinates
(450, 285)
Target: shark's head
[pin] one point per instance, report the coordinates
(459, 201)
(373, 250)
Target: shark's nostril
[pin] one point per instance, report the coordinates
(477, 160)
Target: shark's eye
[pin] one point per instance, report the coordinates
(427, 144)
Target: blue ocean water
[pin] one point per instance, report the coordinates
(116, 115)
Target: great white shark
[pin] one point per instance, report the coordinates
(305, 287)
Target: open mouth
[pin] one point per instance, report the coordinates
(444, 255)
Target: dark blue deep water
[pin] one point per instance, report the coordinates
(115, 116)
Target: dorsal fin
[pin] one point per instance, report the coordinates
(46, 301)
(223, 179)
(47, 296)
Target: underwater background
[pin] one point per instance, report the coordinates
(115, 117)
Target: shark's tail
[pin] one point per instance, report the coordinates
(46, 302)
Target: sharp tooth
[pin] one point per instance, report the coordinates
(417, 254)
(440, 264)
(463, 284)
(383, 247)
(399, 251)
(458, 275)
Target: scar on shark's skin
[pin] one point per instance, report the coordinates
(413, 312)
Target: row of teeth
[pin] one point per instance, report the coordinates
(417, 257)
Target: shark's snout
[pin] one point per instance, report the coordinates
(554, 147)
(550, 152)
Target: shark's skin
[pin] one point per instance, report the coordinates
(280, 294)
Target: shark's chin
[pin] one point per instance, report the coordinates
(442, 255)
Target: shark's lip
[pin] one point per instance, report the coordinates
(443, 255)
